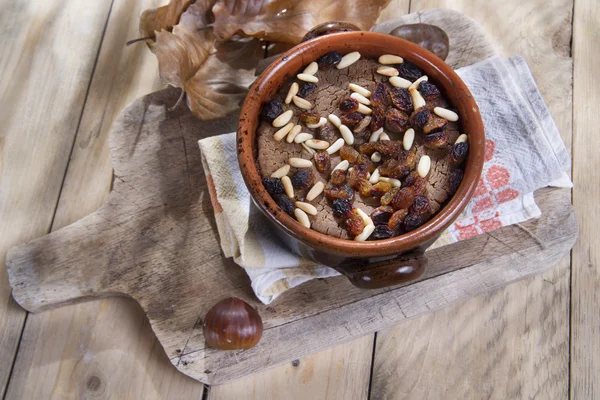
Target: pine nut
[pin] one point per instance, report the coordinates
(335, 146)
(319, 124)
(408, 139)
(360, 98)
(359, 89)
(293, 133)
(366, 219)
(281, 172)
(343, 165)
(375, 135)
(282, 132)
(335, 120)
(424, 166)
(317, 144)
(376, 157)
(348, 60)
(307, 208)
(364, 235)
(387, 71)
(288, 187)
(396, 81)
(446, 114)
(364, 109)
(415, 84)
(418, 100)
(302, 103)
(302, 218)
(299, 162)
(347, 134)
(311, 69)
(283, 119)
(384, 136)
(375, 176)
(315, 191)
(308, 149)
(392, 181)
(302, 137)
(362, 125)
(390, 59)
(294, 88)
(307, 78)
(461, 138)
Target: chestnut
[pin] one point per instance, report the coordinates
(232, 324)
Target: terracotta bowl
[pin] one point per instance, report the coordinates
(369, 264)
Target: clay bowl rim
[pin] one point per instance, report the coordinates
(371, 44)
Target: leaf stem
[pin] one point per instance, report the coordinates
(129, 43)
(174, 106)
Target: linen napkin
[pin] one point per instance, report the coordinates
(523, 153)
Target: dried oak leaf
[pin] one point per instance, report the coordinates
(163, 18)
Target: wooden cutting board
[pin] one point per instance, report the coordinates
(155, 240)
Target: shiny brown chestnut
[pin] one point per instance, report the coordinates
(430, 37)
(232, 324)
(329, 27)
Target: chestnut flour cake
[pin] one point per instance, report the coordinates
(361, 149)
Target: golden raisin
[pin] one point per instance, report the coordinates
(387, 198)
(434, 124)
(309, 117)
(396, 220)
(403, 199)
(354, 223)
(380, 188)
(395, 120)
(438, 140)
(338, 177)
(333, 192)
(322, 162)
(348, 153)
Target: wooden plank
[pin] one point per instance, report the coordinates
(104, 348)
(48, 54)
(471, 350)
(585, 289)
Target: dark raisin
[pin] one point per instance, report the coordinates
(434, 124)
(417, 183)
(352, 119)
(377, 117)
(310, 117)
(285, 203)
(329, 60)
(396, 220)
(273, 186)
(420, 205)
(271, 110)
(428, 90)
(381, 215)
(306, 89)
(348, 153)
(302, 179)
(379, 94)
(437, 140)
(403, 199)
(409, 71)
(387, 198)
(326, 132)
(395, 120)
(419, 118)
(380, 188)
(354, 223)
(459, 153)
(401, 99)
(381, 232)
(413, 221)
(341, 208)
(349, 105)
(455, 178)
(338, 177)
(322, 161)
(333, 192)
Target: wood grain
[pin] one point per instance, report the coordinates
(514, 343)
(585, 289)
(48, 54)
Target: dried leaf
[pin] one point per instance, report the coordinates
(162, 18)
(289, 20)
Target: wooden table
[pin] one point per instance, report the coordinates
(65, 74)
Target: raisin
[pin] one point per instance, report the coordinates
(459, 153)
(364, 160)
(338, 177)
(348, 153)
(362, 125)
(420, 205)
(395, 120)
(329, 60)
(333, 192)
(434, 124)
(351, 119)
(381, 232)
(419, 118)
(396, 220)
(403, 199)
(381, 215)
(361, 138)
(367, 148)
(455, 178)
(303, 179)
(379, 94)
(273, 186)
(377, 117)
(380, 188)
(387, 198)
(437, 140)
(285, 203)
(389, 148)
(310, 117)
(409, 71)
(327, 133)
(349, 105)
(394, 169)
(408, 159)
(322, 161)
(428, 90)
(306, 89)
(341, 208)
(401, 99)
(358, 176)
(354, 223)
(271, 110)
(413, 221)
(417, 183)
